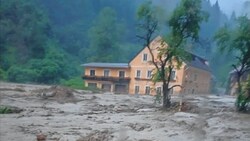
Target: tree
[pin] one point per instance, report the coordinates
(184, 25)
(238, 41)
(104, 37)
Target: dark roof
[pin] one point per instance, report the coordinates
(107, 65)
(199, 63)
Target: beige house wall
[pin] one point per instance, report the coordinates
(144, 66)
(99, 72)
(196, 81)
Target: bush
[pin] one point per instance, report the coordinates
(4, 110)
(243, 99)
(75, 83)
(20, 74)
(3, 74)
(158, 98)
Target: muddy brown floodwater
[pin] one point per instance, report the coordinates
(62, 114)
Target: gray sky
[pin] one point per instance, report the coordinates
(228, 6)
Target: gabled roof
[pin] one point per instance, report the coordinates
(196, 61)
(158, 38)
(106, 65)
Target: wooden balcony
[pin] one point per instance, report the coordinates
(102, 78)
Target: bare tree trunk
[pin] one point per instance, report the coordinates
(166, 96)
(239, 83)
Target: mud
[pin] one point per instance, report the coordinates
(62, 114)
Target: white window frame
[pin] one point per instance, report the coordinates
(146, 57)
(121, 71)
(158, 88)
(90, 72)
(108, 72)
(146, 90)
(136, 74)
(174, 77)
(150, 74)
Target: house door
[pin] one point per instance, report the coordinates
(119, 88)
(106, 87)
(92, 85)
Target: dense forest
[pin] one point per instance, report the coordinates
(44, 41)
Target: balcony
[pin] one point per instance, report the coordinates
(102, 78)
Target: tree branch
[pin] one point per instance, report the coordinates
(174, 86)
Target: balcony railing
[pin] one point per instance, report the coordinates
(103, 78)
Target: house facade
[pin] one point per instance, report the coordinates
(135, 77)
(112, 77)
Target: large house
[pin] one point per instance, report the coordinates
(135, 77)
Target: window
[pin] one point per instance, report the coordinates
(173, 75)
(106, 73)
(137, 89)
(138, 74)
(158, 90)
(121, 74)
(149, 74)
(147, 90)
(145, 57)
(92, 72)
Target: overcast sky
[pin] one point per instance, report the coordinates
(228, 6)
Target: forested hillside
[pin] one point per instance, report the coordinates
(45, 41)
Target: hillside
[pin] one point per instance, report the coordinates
(44, 41)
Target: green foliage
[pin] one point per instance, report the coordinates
(105, 36)
(158, 98)
(5, 110)
(3, 74)
(243, 99)
(148, 21)
(21, 74)
(26, 28)
(241, 102)
(237, 42)
(185, 22)
(75, 83)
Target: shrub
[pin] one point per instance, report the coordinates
(5, 110)
(158, 98)
(20, 74)
(243, 98)
(75, 83)
(3, 75)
